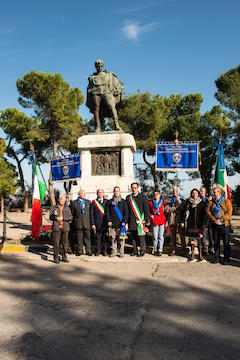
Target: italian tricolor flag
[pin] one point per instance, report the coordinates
(221, 178)
(39, 191)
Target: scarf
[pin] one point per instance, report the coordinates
(68, 203)
(60, 214)
(116, 200)
(195, 202)
(82, 202)
(174, 200)
(217, 209)
(157, 205)
(204, 198)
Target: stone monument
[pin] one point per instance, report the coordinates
(106, 156)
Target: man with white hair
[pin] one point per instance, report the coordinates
(81, 220)
(60, 216)
(174, 209)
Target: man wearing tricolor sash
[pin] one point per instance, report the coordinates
(138, 208)
(98, 222)
(117, 217)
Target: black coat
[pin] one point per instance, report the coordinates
(67, 217)
(96, 218)
(196, 215)
(112, 216)
(81, 221)
(143, 205)
(175, 214)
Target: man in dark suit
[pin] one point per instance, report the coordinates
(117, 217)
(98, 222)
(81, 220)
(138, 207)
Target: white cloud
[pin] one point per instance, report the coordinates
(132, 29)
(6, 30)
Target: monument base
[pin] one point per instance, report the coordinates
(106, 161)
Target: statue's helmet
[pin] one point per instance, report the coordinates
(99, 61)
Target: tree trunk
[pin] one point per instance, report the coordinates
(25, 201)
(13, 154)
(152, 168)
(51, 192)
(2, 204)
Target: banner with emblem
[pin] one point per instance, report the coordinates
(180, 156)
(65, 169)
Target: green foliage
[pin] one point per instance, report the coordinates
(152, 118)
(2, 147)
(228, 94)
(55, 105)
(8, 180)
(20, 129)
(155, 118)
(214, 126)
(228, 90)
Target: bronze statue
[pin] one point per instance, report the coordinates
(104, 93)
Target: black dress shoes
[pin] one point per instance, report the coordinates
(225, 262)
(133, 254)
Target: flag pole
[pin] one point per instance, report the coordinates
(176, 143)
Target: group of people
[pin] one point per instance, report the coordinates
(202, 220)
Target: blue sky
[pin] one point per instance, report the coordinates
(164, 46)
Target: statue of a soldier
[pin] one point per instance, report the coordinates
(104, 93)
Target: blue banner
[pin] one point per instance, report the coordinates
(221, 163)
(66, 169)
(182, 156)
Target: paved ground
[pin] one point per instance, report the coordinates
(141, 309)
(97, 308)
(19, 225)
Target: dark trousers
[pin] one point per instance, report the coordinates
(72, 237)
(101, 240)
(181, 231)
(207, 234)
(60, 237)
(221, 232)
(83, 235)
(138, 240)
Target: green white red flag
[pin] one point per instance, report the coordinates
(221, 178)
(38, 196)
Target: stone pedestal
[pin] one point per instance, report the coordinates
(106, 161)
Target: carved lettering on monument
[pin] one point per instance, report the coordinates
(106, 163)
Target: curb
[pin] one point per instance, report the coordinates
(13, 248)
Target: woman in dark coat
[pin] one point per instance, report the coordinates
(194, 216)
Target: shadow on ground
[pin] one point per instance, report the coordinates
(118, 311)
